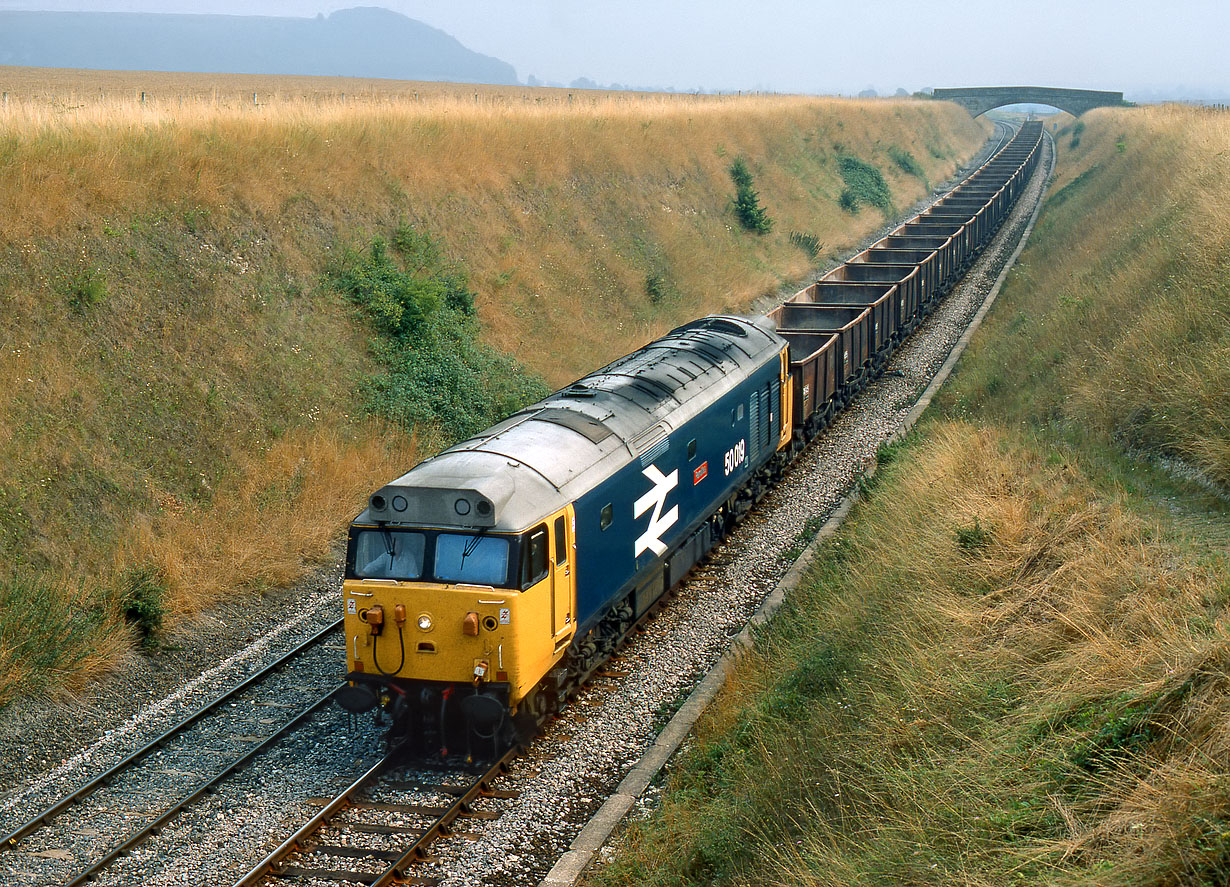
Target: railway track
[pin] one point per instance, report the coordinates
(117, 794)
(380, 826)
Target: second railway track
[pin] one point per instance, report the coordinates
(118, 808)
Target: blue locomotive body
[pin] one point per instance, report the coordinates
(634, 528)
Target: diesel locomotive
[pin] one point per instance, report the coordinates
(486, 584)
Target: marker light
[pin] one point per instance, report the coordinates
(425, 622)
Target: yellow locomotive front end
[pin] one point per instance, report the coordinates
(452, 630)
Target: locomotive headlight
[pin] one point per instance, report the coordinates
(425, 622)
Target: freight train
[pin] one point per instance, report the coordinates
(486, 584)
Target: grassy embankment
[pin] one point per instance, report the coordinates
(211, 339)
(1011, 665)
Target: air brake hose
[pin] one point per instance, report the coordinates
(376, 657)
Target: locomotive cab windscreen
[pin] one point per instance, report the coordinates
(447, 557)
(450, 558)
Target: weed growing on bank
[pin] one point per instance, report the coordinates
(808, 243)
(437, 374)
(865, 186)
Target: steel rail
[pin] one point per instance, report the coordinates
(151, 828)
(309, 828)
(10, 840)
(395, 872)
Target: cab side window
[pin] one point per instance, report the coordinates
(537, 555)
(561, 541)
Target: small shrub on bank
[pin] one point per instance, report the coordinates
(658, 287)
(973, 537)
(436, 372)
(865, 186)
(142, 604)
(86, 289)
(750, 213)
(906, 163)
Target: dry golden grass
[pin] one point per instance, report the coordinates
(1121, 305)
(281, 510)
(67, 90)
(53, 640)
(997, 675)
(154, 421)
(559, 208)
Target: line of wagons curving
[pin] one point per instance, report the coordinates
(490, 581)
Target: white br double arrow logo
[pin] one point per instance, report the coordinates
(659, 523)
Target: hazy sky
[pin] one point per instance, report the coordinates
(1177, 47)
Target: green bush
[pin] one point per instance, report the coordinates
(446, 378)
(658, 287)
(750, 213)
(906, 163)
(1076, 134)
(740, 174)
(973, 538)
(144, 589)
(865, 186)
(436, 372)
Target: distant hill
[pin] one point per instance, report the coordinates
(361, 42)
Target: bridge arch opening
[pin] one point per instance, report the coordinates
(1035, 108)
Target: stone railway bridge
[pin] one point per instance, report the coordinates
(980, 99)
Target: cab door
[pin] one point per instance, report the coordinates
(562, 575)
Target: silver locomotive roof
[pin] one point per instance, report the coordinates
(533, 463)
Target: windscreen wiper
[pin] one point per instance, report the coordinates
(471, 545)
(389, 548)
